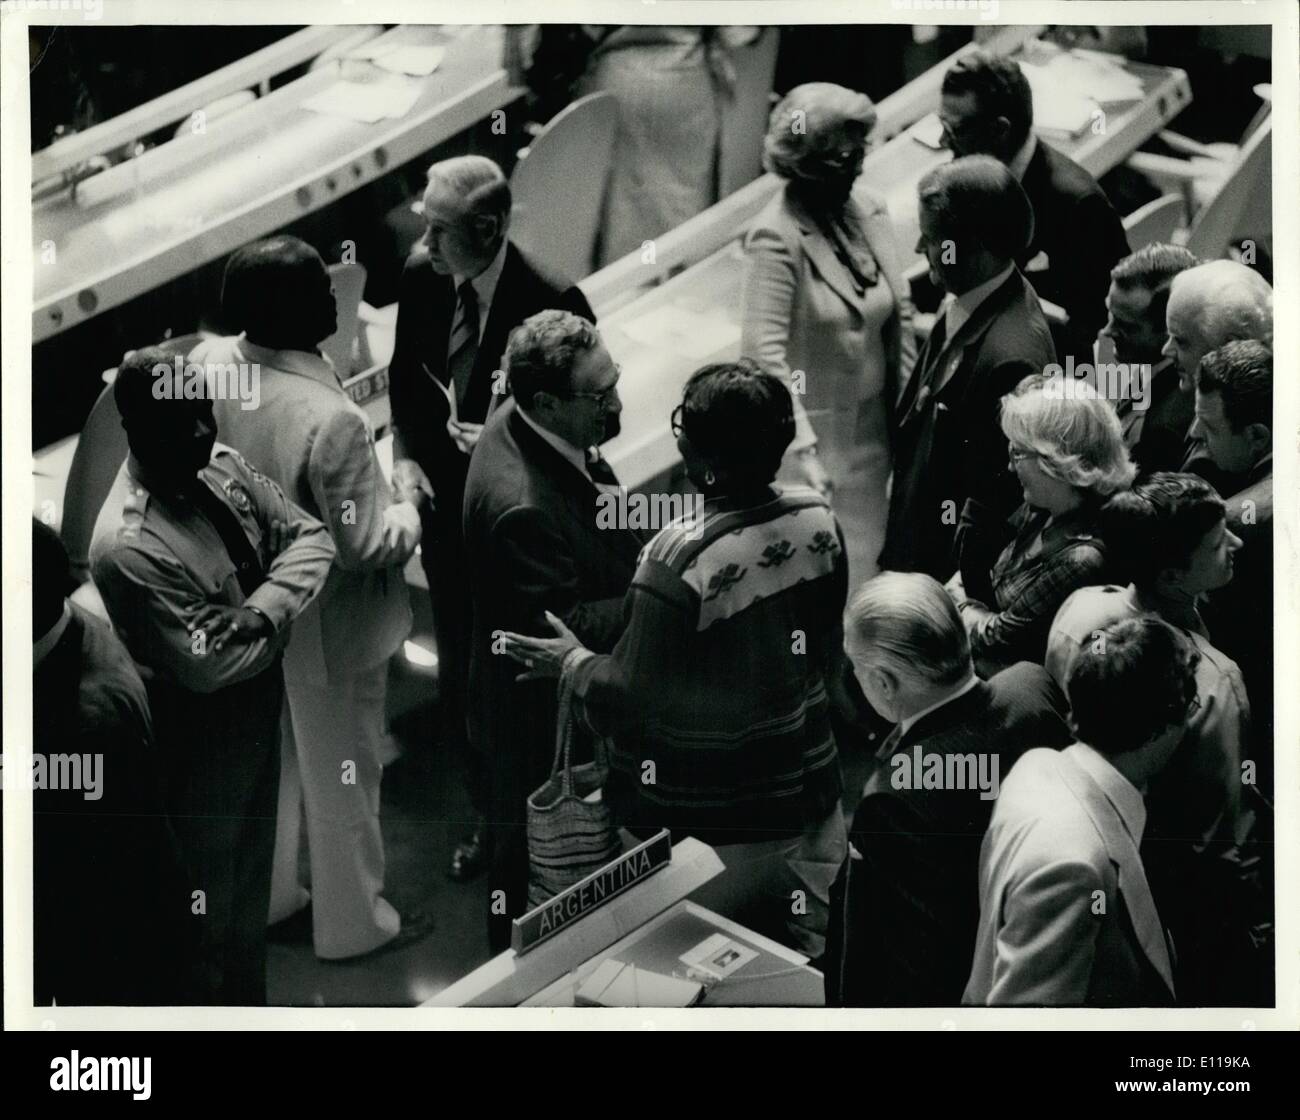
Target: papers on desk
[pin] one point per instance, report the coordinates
(615, 984)
(366, 102)
(417, 59)
(1068, 90)
(685, 332)
(928, 131)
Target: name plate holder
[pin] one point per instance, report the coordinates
(637, 886)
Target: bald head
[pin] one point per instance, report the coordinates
(1211, 304)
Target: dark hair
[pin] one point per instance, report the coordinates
(541, 352)
(1000, 89)
(1158, 524)
(133, 389)
(267, 291)
(1153, 268)
(977, 198)
(1134, 680)
(741, 417)
(52, 578)
(1242, 374)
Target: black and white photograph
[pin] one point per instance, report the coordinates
(615, 509)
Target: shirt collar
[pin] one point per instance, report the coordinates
(571, 454)
(485, 283)
(963, 307)
(46, 642)
(1020, 161)
(306, 363)
(1119, 791)
(906, 724)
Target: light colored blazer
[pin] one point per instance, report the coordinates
(309, 436)
(1066, 915)
(801, 309)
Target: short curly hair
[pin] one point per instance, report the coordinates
(804, 123)
(541, 352)
(741, 417)
(1076, 433)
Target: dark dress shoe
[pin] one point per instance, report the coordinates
(293, 930)
(416, 925)
(469, 859)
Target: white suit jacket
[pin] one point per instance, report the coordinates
(1066, 915)
(309, 436)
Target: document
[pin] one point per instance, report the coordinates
(366, 102)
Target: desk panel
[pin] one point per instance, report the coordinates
(149, 220)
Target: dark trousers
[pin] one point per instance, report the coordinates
(444, 562)
(222, 753)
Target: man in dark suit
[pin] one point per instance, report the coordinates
(987, 109)
(111, 919)
(464, 288)
(952, 492)
(534, 545)
(1234, 418)
(1155, 429)
(905, 908)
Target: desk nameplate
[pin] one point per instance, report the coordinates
(579, 900)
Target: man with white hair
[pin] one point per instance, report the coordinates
(905, 907)
(1213, 303)
(1209, 305)
(464, 288)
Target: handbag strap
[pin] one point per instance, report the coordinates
(564, 732)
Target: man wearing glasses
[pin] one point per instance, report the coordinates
(534, 546)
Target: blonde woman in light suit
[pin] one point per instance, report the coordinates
(826, 307)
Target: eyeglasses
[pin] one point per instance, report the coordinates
(1016, 456)
(675, 421)
(601, 396)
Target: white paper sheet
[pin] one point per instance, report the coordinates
(685, 332)
(366, 102)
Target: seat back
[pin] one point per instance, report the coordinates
(100, 452)
(1156, 221)
(1243, 204)
(101, 448)
(559, 186)
(349, 282)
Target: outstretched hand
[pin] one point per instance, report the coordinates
(541, 657)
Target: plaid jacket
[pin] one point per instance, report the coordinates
(1048, 559)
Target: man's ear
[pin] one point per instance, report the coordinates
(1260, 437)
(885, 680)
(488, 227)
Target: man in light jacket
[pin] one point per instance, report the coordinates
(308, 435)
(1066, 914)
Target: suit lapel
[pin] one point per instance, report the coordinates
(1129, 874)
(823, 258)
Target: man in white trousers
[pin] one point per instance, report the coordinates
(303, 430)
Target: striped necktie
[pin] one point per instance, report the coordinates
(462, 347)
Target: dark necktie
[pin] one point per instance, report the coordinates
(602, 474)
(248, 565)
(462, 347)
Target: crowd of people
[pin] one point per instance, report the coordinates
(1058, 652)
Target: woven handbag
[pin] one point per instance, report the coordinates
(568, 836)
